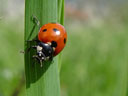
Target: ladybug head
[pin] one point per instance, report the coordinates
(44, 51)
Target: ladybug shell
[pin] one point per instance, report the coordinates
(53, 32)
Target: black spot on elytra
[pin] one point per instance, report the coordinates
(54, 29)
(44, 30)
(64, 40)
(54, 44)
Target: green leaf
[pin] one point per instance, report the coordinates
(40, 81)
(61, 11)
(61, 21)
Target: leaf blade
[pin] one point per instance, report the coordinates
(40, 81)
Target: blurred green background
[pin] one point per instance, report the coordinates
(95, 60)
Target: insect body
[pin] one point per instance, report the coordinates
(52, 38)
(55, 34)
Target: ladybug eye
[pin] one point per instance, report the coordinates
(44, 30)
(64, 40)
(54, 44)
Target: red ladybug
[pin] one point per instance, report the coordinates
(52, 38)
(55, 34)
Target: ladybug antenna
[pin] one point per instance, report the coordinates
(41, 63)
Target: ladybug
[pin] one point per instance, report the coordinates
(52, 39)
(54, 34)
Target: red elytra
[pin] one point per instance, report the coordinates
(53, 32)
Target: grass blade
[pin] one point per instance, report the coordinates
(61, 21)
(40, 81)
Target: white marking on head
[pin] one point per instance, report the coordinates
(39, 48)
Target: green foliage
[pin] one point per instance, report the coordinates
(40, 81)
(97, 68)
(97, 62)
(61, 21)
(11, 60)
(94, 63)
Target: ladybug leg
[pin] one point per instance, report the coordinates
(39, 59)
(34, 47)
(36, 21)
(51, 58)
(41, 64)
(36, 57)
(34, 40)
(43, 56)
